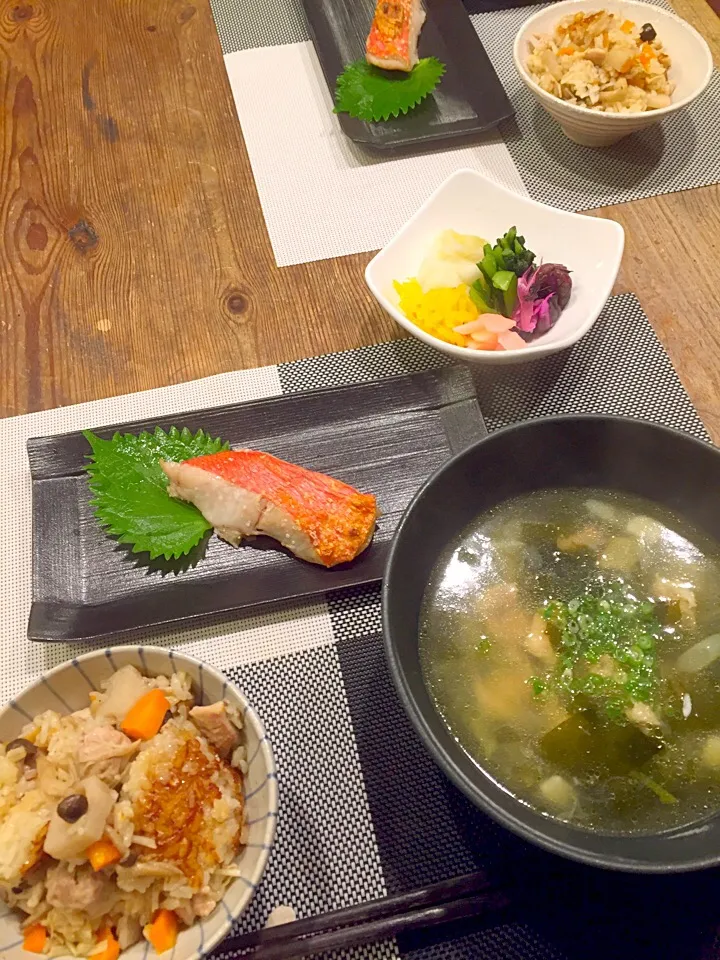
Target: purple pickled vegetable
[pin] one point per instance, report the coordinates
(523, 312)
(542, 295)
(553, 278)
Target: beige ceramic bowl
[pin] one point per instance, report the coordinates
(691, 69)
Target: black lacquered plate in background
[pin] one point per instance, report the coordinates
(384, 438)
(468, 100)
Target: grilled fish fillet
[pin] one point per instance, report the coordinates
(393, 39)
(245, 493)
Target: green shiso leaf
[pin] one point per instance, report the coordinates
(130, 497)
(371, 94)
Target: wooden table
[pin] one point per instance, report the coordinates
(134, 252)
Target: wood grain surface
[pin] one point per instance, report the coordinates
(134, 252)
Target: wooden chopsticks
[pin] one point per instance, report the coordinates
(460, 898)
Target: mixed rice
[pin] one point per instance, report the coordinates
(602, 62)
(123, 819)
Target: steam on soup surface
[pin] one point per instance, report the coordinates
(571, 641)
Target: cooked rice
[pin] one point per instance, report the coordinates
(600, 61)
(176, 815)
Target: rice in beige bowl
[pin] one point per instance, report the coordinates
(604, 62)
(107, 827)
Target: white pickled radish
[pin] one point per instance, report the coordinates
(700, 655)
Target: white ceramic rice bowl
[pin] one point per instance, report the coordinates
(65, 689)
(691, 69)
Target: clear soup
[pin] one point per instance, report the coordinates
(570, 639)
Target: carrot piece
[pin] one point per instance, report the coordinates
(627, 27)
(564, 51)
(648, 54)
(111, 950)
(145, 717)
(163, 931)
(34, 938)
(102, 853)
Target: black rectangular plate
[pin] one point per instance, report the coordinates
(469, 99)
(384, 438)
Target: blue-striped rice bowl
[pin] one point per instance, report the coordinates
(66, 689)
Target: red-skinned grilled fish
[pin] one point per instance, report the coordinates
(393, 38)
(246, 493)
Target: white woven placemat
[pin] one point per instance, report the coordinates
(323, 196)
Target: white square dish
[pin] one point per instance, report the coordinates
(590, 247)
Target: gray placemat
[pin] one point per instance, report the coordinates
(619, 367)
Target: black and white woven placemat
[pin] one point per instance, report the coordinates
(363, 809)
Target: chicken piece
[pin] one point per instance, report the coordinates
(559, 794)
(505, 621)
(104, 753)
(245, 493)
(498, 598)
(504, 696)
(710, 755)
(586, 538)
(644, 717)
(203, 904)
(596, 55)
(393, 38)
(87, 891)
(214, 722)
(606, 666)
(103, 743)
(537, 642)
(621, 554)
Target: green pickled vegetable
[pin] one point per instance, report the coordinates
(481, 299)
(510, 296)
(502, 279)
(500, 268)
(488, 266)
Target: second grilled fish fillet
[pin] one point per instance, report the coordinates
(393, 38)
(245, 493)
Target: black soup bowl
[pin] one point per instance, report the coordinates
(614, 453)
